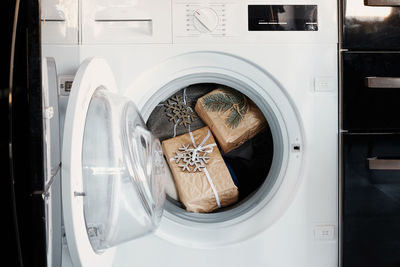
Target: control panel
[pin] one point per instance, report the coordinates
(187, 21)
(253, 21)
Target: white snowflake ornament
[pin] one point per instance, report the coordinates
(191, 159)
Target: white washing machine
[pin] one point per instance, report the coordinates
(281, 55)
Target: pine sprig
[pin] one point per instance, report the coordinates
(234, 119)
(236, 96)
(230, 100)
(217, 102)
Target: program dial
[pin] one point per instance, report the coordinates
(205, 19)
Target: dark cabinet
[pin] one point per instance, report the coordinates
(371, 200)
(371, 24)
(370, 116)
(371, 92)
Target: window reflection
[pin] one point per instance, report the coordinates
(358, 9)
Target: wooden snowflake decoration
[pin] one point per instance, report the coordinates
(190, 159)
(178, 111)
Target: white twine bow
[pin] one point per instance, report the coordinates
(201, 148)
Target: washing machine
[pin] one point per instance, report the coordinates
(108, 64)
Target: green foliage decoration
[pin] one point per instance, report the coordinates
(228, 100)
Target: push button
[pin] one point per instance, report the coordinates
(324, 232)
(324, 84)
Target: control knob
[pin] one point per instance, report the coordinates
(205, 19)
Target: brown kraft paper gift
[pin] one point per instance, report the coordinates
(194, 189)
(251, 124)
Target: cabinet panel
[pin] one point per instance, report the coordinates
(371, 201)
(371, 92)
(371, 24)
(59, 21)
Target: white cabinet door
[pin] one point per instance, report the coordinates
(112, 169)
(59, 21)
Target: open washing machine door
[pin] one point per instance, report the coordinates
(52, 158)
(112, 169)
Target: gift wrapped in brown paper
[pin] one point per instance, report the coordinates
(201, 177)
(232, 117)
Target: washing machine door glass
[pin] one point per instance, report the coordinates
(122, 172)
(113, 168)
